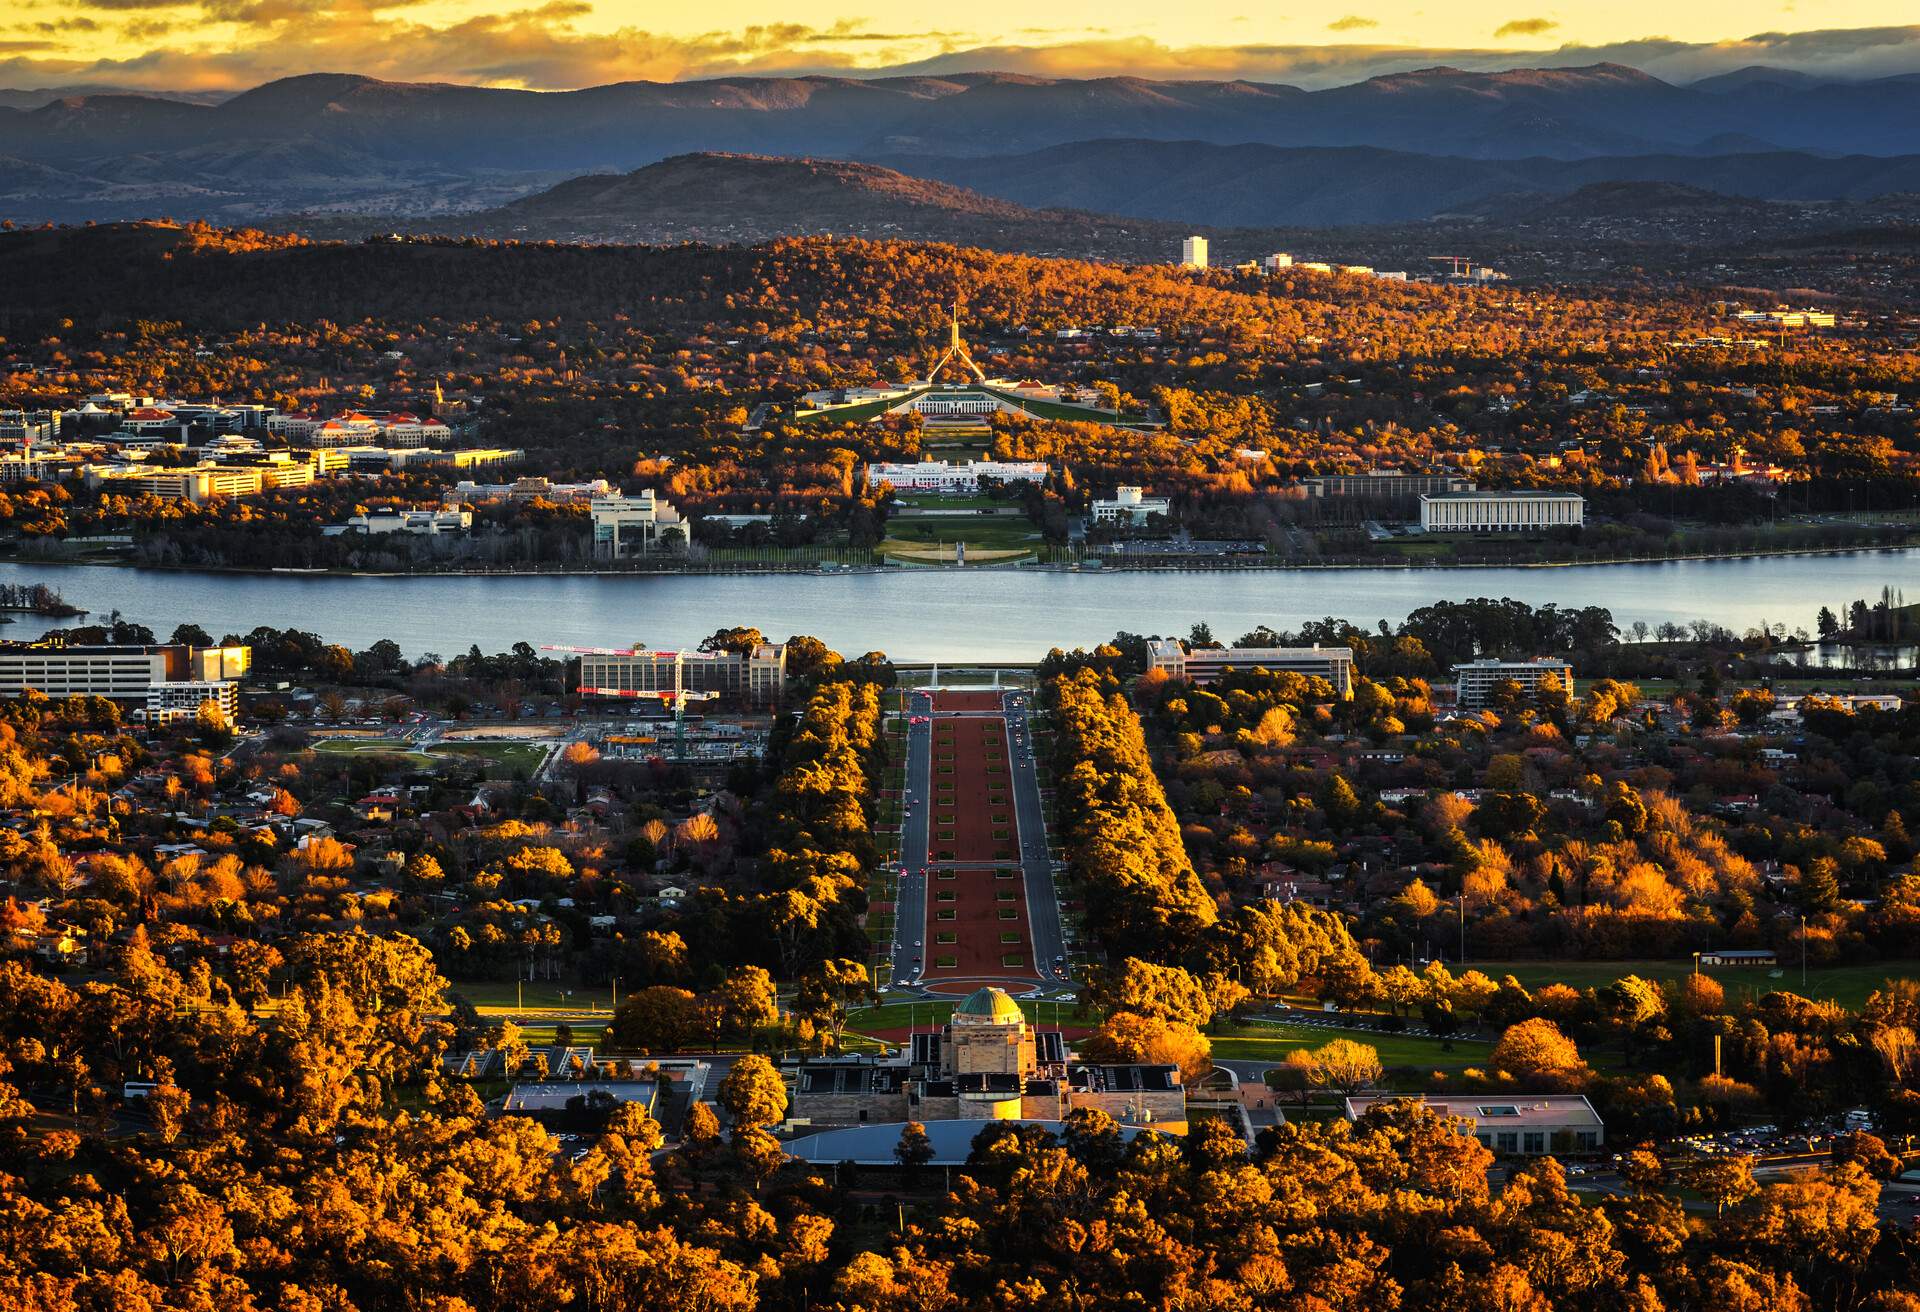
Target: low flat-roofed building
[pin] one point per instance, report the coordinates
(1524, 1125)
(1500, 512)
(1740, 957)
(534, 1098)
(1205, 665)
(1475, 681)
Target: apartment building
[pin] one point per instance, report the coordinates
(1475, 681)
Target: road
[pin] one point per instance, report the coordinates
(1036, 865)
(1037, 872)
(910, 898)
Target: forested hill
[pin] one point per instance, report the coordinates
(781, 290)
(720, 197)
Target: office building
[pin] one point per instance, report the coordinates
(1193, 253)
(120, 673)
(1130, 505)
(1383, 485)
(939, 476)
(1501, 512)
(1205, 665)
(1530, 1125)
(1277, 262)
(418, 523)
(626, 527)
(758, 677)
(1475, 681)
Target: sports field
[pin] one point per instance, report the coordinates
(503, 759)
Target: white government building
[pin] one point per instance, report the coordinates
(1206, 664)
(1131, 504)
(1500, 512)
(939, 476)
(628, 526)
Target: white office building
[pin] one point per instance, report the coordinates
(1130, 505)
(939, 476)
(629, 526)
(1193, 253)
(120, 673)
(1475, 681)
(1205, 665)
(1277, 261)
(1501, 512)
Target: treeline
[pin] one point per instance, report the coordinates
(1126, 856)
(322, 1160)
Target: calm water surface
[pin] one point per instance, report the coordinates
(938, 614)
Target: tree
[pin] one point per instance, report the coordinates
(1536, 1052)
(753, 1092)
(1127, 1037)
(750, 999)
(660, 1018)
(1345, 1065)
(915, 1149)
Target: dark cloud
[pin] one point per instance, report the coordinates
(1351, 23)
(1525, 27)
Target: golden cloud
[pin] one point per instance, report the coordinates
(1525, 27)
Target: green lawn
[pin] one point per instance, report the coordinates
(510, 758)
(542, 995)
(503, 759)
(1847, 985)
(1273, 1043)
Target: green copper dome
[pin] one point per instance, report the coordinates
(989, 1004)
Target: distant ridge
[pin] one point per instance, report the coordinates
(344, 143)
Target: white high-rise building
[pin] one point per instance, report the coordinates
(1193, 253)
(1277, 261)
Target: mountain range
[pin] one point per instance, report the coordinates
(333, 143)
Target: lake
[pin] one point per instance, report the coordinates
(959, 615)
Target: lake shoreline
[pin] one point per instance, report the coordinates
(1222, 565)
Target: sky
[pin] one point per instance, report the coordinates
(204, 45)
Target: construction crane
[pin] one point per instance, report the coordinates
(1462, 266)
(675, 698)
